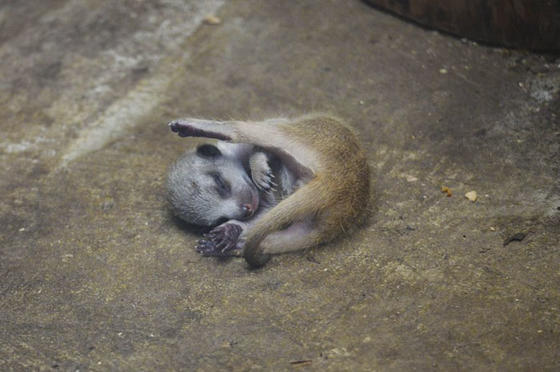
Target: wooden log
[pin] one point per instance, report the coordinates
(528, 24)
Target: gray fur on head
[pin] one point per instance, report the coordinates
(192, 190)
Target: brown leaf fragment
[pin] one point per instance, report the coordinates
(447, 191)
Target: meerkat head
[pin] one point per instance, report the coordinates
(210, 186)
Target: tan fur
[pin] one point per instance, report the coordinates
(332, 179)
(337, 196)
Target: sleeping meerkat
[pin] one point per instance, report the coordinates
(227, 185)
(316, 163)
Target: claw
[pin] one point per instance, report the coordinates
(220, 242)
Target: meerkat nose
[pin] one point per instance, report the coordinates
(248, 210)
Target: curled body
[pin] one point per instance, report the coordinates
(293, 183)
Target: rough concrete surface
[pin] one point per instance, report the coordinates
(96, 274)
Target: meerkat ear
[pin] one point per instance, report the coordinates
(208, 151)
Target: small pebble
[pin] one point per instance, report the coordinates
(446, 190)
(212, 20)
(471, 195)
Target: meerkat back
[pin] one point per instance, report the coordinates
(339, 187)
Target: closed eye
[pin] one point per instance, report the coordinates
(222, 186)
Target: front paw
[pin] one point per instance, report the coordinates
(265, 181)
(222, 241)
(261, 173)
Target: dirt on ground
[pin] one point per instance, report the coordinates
(96, 273)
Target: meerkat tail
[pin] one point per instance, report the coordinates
(191, 127)
(305, 203)
(265, 134)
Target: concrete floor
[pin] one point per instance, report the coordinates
(95, 273)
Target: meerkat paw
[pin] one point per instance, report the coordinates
(261, 173)
(222, 241)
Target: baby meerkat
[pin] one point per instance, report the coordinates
(272, 187)
(227, 185)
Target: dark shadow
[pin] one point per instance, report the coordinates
(547, 51)
(194, 229)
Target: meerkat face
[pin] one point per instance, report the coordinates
(210, 186)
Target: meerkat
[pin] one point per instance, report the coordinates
(318, 162)
(226, 185)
